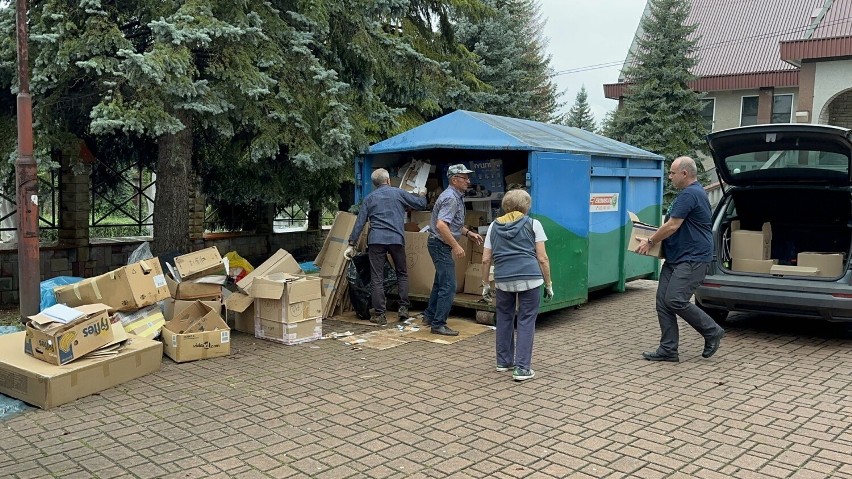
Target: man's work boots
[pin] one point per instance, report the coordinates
(379, 319)
(444, 331)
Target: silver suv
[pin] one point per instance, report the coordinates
(788, 184)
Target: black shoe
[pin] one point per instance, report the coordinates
(711, 345)
(379, 319)
(655, 356)
(403, 313)
(444, 331)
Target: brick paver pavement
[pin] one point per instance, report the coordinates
(774, 402)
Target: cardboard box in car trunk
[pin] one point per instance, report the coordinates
(753, 265)
(421, 271)
(58, 343)
(746, 244)
(830, 265)
(45, 385)
(641, 231)
(280, 262)
(783, 270)
(127, 288)
(199, 263)
(197, 332)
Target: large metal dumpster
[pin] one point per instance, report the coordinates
(582, 186)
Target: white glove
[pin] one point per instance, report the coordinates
(548, 292)
(349, 253)
(487, 294)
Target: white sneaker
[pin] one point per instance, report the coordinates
(522, 374)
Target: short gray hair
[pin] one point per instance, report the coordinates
(687, 164)
(380, 177)
(516, 200)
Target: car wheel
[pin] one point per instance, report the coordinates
(718, 315)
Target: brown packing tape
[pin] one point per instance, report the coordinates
(74, 379)
(145, 267)
(105, 369)
(138, 360)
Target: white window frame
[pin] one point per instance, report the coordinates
(792, 106)
(742, 102)
(713, 119)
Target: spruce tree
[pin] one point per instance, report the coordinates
(580, 115)
(513, 65)
(661, 112)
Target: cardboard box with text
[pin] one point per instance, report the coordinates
(128, 288)
(197, 332)
(56, 342)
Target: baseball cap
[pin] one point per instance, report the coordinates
(459, 169)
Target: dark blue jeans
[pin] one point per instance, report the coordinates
(444, 286)
(678, 281)
(510, 350)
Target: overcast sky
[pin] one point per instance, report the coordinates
(584, 33)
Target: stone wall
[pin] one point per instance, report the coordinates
(103, 256)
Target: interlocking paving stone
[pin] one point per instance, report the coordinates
(774, 402)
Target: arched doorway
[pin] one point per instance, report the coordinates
(838, 110)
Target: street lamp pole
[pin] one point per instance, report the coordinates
(26, 176)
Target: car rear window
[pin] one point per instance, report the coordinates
(796, 162)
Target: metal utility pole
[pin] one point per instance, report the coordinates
(26, 176)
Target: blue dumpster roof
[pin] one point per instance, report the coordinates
(480, 131)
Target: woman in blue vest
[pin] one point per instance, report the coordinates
(515, 243)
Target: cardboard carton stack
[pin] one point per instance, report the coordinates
(828, 265)
(197, 276)
(333, 264)
(67, 353)
(751, 250)
(239, 306)
(288, 308)
(132, 292)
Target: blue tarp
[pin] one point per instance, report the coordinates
(9, 406)
(309, 267)
(467, 130)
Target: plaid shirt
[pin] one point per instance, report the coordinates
(385, 209)
(449, 208)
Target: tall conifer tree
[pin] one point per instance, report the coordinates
(580, 115)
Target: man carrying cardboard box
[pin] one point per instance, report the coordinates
(385, 208)
(688, 248)
(446, 226)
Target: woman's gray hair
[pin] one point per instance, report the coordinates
(380, 177)
(516, 200)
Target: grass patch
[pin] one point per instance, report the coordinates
(10, 317)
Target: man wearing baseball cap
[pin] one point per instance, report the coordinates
(445, 229)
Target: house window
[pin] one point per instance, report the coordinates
(708, 108)
(782, 108)
(748, 113)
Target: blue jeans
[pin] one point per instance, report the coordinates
(510, 350)
(444, 286)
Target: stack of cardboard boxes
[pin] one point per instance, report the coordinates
(751, 250)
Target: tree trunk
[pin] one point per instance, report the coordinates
(174, 174)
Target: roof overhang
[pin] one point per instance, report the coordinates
(795, 52)
(740, 81)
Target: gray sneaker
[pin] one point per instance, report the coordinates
(501, 368)
(379, 319)
(522, 374)
(403, 313)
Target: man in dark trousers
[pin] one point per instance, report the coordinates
(445, 229)
(688, 249)
(385, 209)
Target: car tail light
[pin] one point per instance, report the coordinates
(842, 295)
(714, 285)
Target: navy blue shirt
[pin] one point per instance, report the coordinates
(385, 208)
(692, 242)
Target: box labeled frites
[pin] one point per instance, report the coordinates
(128, 288)
(59, 334)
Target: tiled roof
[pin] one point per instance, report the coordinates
(742, 36)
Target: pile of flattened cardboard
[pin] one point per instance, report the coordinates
(333, 264)
(67, 353)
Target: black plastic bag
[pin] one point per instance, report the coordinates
(360, 289)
